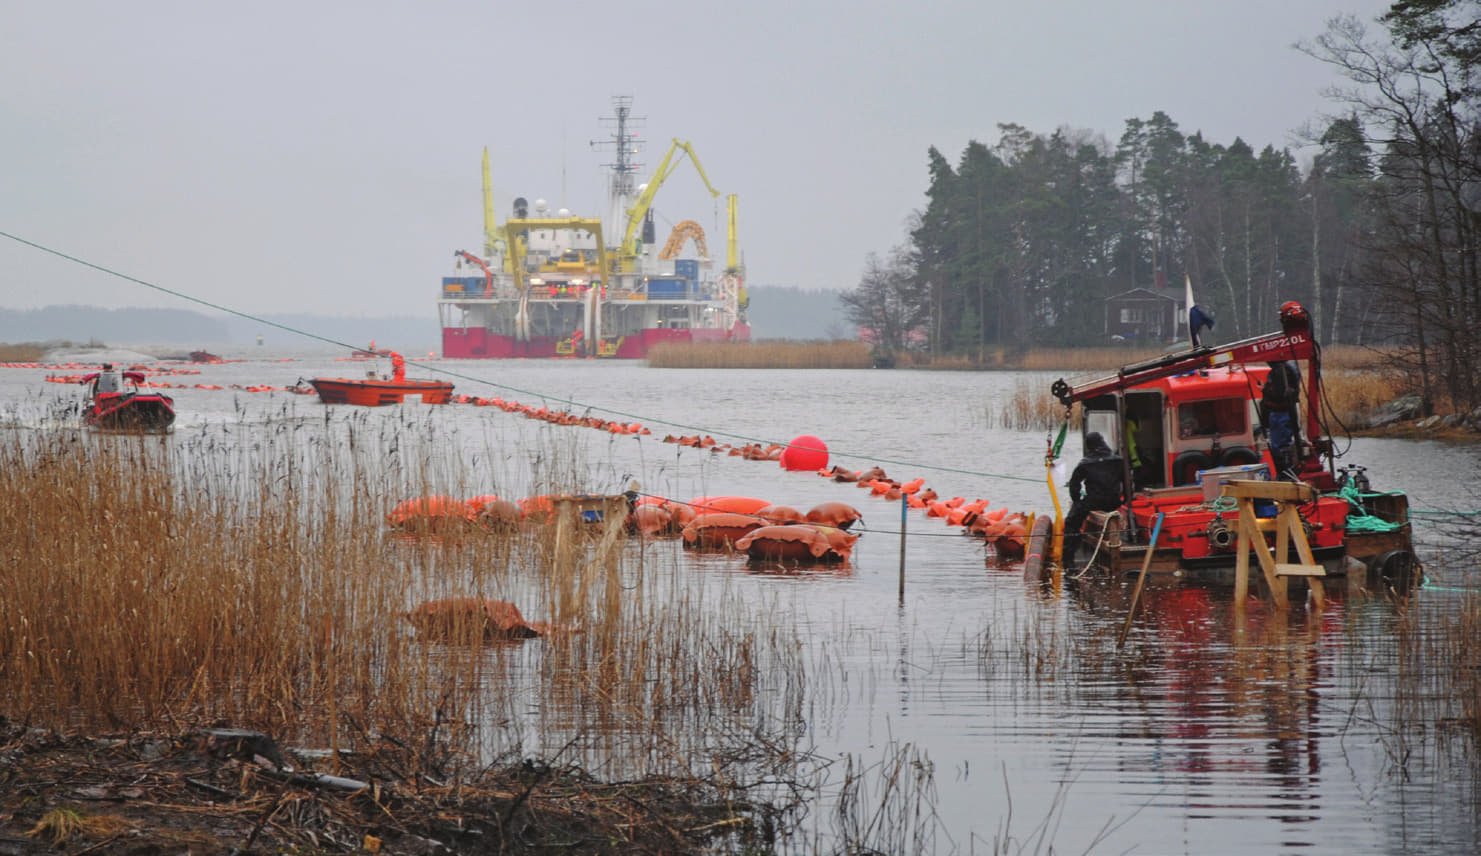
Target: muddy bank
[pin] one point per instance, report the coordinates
(224, 791)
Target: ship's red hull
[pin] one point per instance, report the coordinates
(479, 344)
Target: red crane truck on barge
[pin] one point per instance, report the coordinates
(1196, 412)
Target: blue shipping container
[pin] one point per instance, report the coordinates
(462, 285)
(667, 289)
(687, 268)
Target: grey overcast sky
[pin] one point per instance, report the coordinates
(325, 157)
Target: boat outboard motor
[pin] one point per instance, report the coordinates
(521, 208)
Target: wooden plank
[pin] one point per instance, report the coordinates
(1278, 491)
(1242, 560)
(1291, 569)
(1249, 524)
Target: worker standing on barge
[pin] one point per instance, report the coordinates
(1097, 484)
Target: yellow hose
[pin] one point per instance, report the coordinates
(1058, 537)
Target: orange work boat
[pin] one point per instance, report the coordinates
(375, 391)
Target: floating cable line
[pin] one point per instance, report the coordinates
(479, 380)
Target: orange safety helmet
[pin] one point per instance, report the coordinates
(1294, 317)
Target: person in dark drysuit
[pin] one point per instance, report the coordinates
(1278, 413)
(1095, 485)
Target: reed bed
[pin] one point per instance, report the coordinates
(769, 354)
(22, 352)
(152, 583)
(1353, 395)
(1078, 359)
(1437, 680)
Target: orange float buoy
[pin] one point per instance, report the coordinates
(732, 504)
(650, 520)
(538, 508)
(476, 503)
(718, 530)
(428, 513)
(805, 452)
(797, 543)
(471, 619)
(835, 514)
(781, 515)
(499, 514)
(682, 514)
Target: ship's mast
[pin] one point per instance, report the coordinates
(622, 183)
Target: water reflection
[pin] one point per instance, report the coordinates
(1204, 729)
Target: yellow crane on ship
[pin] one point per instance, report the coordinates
(493, 236)
(629, 249)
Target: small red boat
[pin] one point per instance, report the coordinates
(118, 404)
(373, 391)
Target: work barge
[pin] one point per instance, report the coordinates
(1210, 493)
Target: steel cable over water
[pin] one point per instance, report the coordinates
(461, 376)
(552, 398)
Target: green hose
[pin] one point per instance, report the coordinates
(1358, 518)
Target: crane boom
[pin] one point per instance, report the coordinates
(1292, 342)
(1296, 345)
(488, 274)
(629, 248)
(491, 231)
(732, 258)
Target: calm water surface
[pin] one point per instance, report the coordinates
(1199, 738)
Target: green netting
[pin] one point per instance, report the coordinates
(1058, 443)
(1358, 518)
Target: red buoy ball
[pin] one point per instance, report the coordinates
(805, 452)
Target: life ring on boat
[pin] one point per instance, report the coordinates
(1185, 467)
(1236, 456)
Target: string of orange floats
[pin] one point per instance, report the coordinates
(765, 531)
(1006, 533)
(555, 417)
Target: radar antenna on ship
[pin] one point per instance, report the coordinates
(621, 185)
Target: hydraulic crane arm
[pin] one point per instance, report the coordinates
(488, 274)
(732, 260)
(1295, 345)
(639, 210)
(492, 234)
(1293, 342)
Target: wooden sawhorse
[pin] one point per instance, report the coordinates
(1288, 532)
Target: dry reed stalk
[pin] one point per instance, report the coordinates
(23, 352)
(1030, 407)
(1354, 394)
(1080, 359)
(246, 576)
(770, 354)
